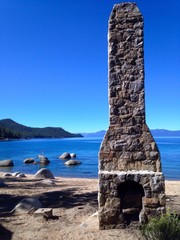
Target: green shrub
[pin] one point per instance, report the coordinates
(166, 227)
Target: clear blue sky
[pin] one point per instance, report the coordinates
(53, 63)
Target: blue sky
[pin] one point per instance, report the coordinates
(53, 63)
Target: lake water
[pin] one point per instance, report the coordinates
(87, 152)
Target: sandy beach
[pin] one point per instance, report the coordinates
(74, 204)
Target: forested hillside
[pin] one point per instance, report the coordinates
(11, 129)
(7, 133)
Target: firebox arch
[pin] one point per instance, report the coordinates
(130, 194)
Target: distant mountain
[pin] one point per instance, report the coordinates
(21, 131)
(94, 134)
(165, 133)
(155, 133)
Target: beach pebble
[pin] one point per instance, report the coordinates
(44, 173)
(72, 162)
(65, 155)
(6, 163)
(28, 160)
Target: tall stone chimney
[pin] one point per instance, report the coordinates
(131, 184)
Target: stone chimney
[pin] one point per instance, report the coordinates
(131, 184)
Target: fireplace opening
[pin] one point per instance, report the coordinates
(130, 194)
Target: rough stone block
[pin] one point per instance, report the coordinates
(43, 212)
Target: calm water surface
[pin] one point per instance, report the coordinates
(87, 152)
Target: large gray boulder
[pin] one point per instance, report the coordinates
(6, 163)
(28, 160)
(26, 205)
(72, 162)
(44, 173)
(65, 155)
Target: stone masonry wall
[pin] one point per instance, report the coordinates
(153, 201)
(128, 144)
(131, 184)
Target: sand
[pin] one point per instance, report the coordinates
(73, 200)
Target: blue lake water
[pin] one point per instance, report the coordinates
(87, 152)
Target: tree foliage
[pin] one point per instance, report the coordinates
(166, 227)
(7, 133)
(11, 129)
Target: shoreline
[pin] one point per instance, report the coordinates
(74, 202)
(29, 176)
(69, 177)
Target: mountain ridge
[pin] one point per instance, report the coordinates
(22, 131)
(155, 133)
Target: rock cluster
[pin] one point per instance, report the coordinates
(15, 174)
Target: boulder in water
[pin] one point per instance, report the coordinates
(73, 155)
(6, 163)
(65, 155)
(44, 160)
(28, 160)
(72, 162)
